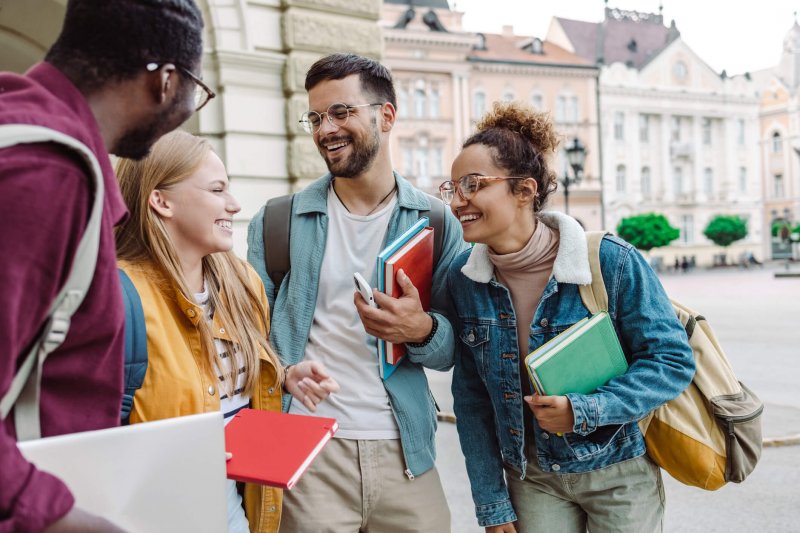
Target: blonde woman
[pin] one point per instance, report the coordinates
(205, 309)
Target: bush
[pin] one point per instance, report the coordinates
(647, 231)
(723, 230)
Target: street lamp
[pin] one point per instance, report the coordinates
(576, 157)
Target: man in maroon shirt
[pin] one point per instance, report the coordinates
(121, 74)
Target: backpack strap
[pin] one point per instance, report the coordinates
(594, 296)
(23, 394)
(277, 227)
(135, 344)
(436, 217)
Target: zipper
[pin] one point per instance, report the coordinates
(744, 418)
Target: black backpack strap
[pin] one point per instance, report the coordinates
(436, 217)
(135, 344)
(277, 226)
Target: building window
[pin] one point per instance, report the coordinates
(479, 104)
(677, 180)
(777, 144)
(572, 109)
(679, 70)
(537, 101)
(687, 229)
(438, 170)
(561, 109)
(742, 179)
(644, 128)
(434, 103)
(778, 189)
(707, 131)
(402, 96)
(740, 132)
(646, 185)
(676, 129)
(620, 178)
(708, 182)
(419, 102)
(508, 96)
(421, 167)
(407, 156)
(619, 126)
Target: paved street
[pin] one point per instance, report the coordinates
(755, 317)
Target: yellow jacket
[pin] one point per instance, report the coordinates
(177, 382)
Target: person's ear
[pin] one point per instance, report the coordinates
(527, 191)
(388, 115)
(159, 203)
(163, 82)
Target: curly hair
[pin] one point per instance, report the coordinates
(105, 41)
(521, 140)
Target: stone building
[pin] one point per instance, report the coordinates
(256, 56)
(678, 138)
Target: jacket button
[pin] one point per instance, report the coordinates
(271, 508)
(191, 313)
(271, 390)
(504, 316)
(211, 390)
(556, 468)
(508, 355)
(543, 323)
(471, 337)
(545, 436)
(222, 330)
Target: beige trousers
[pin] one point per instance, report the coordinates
(359, 486)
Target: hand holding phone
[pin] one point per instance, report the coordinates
(363, 287)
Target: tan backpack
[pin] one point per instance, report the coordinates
(711, 433)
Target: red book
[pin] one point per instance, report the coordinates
(274, 448)
(415, 258)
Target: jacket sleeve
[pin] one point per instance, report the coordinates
(256, 256)
(477, 434)
(438, 353)
(661, 360)
(38, 239)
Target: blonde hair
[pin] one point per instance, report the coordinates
(522, 141)
(144, 237)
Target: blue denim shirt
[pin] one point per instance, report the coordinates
(486, 381)
(292, 310)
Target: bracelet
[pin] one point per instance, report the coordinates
(286, 375)
(428, 339)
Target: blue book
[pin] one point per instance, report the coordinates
(386, 369)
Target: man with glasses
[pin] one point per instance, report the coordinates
(378, 472)
(120, 75)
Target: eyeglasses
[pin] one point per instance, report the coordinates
(202, 92)
(337, 114)
(467, 186)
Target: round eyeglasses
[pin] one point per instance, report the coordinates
(202, 92)
(337, 114)
(467, 186)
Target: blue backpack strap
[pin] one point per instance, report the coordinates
(135, 344)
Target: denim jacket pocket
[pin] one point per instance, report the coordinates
(476, 338)
(585, 447)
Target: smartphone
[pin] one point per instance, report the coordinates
(363, 287)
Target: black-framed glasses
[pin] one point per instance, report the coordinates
(337, 114)
(202, 92)
(467, 186)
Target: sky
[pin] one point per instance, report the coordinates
(733, 35)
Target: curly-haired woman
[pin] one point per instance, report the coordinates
(563, 463)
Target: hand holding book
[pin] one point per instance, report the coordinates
(554, 413)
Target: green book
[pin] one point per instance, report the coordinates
(580, 359)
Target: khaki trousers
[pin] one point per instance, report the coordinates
(359, 486)
(624, 497)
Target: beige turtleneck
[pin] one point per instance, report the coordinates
(525, 273)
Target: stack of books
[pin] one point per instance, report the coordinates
(413, 253)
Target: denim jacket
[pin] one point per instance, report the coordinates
(486, 381)
(293, 307)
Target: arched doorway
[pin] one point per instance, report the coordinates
(781, 230)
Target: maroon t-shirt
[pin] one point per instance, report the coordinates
(45, 199)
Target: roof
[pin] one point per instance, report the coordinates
(627, 37)
(436, 4)
(500, 48)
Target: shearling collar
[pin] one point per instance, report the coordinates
(572, 259)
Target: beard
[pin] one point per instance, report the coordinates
(363, 155)
(136, 143)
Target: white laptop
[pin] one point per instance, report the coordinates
(153, 477)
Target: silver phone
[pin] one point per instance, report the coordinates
(363, 287)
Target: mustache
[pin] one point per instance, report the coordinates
(334, 140)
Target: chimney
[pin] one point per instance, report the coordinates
(508, 30)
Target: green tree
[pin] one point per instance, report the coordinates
(647, 231)
(723, 230)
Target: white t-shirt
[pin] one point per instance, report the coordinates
(229, 405)
(337, 337)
